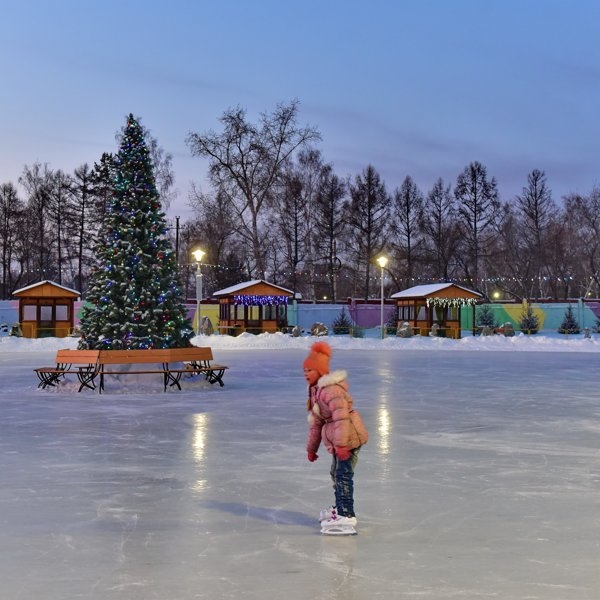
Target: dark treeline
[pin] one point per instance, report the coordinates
(277, 210)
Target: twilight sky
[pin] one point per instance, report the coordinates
(419, 88)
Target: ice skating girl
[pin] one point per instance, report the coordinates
(334, 421)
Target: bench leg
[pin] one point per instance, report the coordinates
(42, 384)
(171, 379)
(48, 379)
(215, 376)
(86, 378)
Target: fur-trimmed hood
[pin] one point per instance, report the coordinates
(332, 378)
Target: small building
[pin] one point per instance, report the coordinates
(46, 309)
(435, 309)
(254, 306)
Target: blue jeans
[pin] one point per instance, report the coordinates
(342, 475)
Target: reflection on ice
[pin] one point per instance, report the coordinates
(383, 429)
(199, 424)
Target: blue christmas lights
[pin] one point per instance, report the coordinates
(249, 300)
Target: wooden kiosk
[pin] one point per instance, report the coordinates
(435, 309)
(254, 306)
(46, 309)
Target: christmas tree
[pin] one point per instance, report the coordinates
(529, 322)
(342, 323)
(486, 317)
(134, 299)
(569, 323)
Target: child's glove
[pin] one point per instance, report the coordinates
(342, 452)
(312, 456)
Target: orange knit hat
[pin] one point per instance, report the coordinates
(318, 358)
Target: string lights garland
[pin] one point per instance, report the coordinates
(325, 276)
(450, 302)
(250, 300)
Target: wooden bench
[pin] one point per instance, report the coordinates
(85, 360)
(170, 363)
(113, 362)
(196, 361)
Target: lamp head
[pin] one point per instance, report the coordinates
(198, 254)
(382, 261)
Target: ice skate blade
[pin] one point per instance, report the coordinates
(339, 530)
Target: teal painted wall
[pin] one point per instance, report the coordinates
(550, 315)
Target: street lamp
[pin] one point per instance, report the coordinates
(198, 254)
(382, 261)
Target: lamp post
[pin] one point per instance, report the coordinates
(198, 254)
(382, 261)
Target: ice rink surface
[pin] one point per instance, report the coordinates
(481, 480)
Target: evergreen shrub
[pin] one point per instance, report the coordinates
(485, 317)
(529, 322)
(342, 324)
(569, 324)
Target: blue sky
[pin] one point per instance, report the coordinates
(419, 88)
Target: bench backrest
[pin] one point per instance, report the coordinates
(77, 357)
(154, 355)
(199, 353)
(125, 357)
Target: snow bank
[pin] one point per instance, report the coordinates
(273, 341)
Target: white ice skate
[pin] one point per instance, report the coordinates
(327, 513)
(338, 525)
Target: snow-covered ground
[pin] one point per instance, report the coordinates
(546, 342)
(481, 478)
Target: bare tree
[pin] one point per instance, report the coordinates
(536, 211)
(329, 224)
(213, 230)
(37, 182)
(293, 220)
(440, 230)
(164, 176)
(245, 164)
(563, 254)
(585, 213)
(11, 212)
(83, 217)
(510, 271)
(289, 220)
(478, 207)
(407, 209)
(368, 219)
(60, 213)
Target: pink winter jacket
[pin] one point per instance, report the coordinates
(331, 417)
